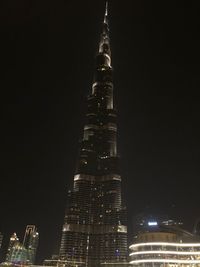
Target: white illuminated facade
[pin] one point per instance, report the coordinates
(165, 254)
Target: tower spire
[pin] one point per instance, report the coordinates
(104, 44)
(106, 14)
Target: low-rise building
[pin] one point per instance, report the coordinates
(164, 245)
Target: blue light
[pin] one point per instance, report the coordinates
(117, 252)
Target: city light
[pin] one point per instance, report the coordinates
(165, 244)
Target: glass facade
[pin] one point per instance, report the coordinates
(18, 255)
(30, 242)
(23, 253)
(14, 240)
(94, 229)
(160, 254)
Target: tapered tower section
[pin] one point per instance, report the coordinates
(94, 230)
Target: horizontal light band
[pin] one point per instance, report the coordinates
(102, 83)
(86, 177)
(165, 261)
(94, 229)
(165, 244)
(108, 126)
(119, 264)
(166, 252)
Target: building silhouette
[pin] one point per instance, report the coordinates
(17, 255)
(30, 243)
(23, 253)
(145, 222)
(14, 240)
(94, 230)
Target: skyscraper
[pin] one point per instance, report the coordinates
(14, 240)
(30, 242)
(18, 254)
(94, 230)
(23, 253)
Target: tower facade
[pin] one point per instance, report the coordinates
(14, 240)
(94, 230)
(30, 242)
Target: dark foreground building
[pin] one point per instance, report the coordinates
(94, 230)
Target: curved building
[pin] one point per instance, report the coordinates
(165, 254)
(165, 247)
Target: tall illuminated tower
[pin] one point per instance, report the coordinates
(30, 242)
(94, 230)
(14, 240)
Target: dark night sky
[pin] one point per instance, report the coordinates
(47, 56)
